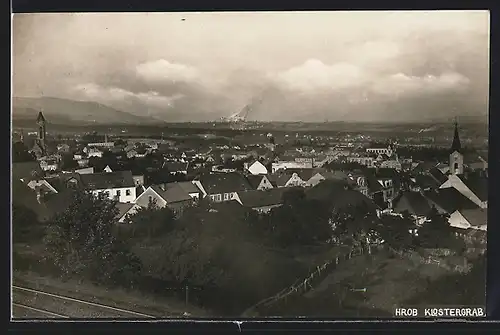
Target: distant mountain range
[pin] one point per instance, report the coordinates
(65, 111)
(82, 113)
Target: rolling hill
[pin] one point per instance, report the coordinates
(64, 111)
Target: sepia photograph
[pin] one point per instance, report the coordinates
(201, 165)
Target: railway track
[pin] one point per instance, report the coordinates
(28, 303)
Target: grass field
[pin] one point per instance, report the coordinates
(30, 271)
(118, 298)
(389, 282)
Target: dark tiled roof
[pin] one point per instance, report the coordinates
(281, 178)
(423, 167)
(172, 192)
(339, 194)
(438, 175)
(60, 183)
(188, 186)
(413, 202)
(123, 208)
(426, 181)
(476, 217)
(176, 166)
(478, 185)
(450, 199)
(254, 181)
(106, 180)
(139, 190)
(263, 198)
(217, 183)
(24, 170)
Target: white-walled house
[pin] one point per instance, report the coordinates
(259, 182)
(221, 187)
(469, 218)
(117, 185)
(172, 195)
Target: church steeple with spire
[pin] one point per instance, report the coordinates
(456, 157)
(456, 145)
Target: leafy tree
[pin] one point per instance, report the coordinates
(192, 260)
(151, 221)
(81, 243)
(437, 233)
(395, 231)
(68, 163)
(293, 197)
(20, 153)
(24, 222)
(355, 226)
(299, 220)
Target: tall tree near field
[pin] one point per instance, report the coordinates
(81, 243)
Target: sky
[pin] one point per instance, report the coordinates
(289, 66)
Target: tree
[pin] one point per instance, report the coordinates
(293, 197)
(299, 220)
(20, 153)
(151, 221)
(355, 226)
(68, 163)
(437, 233)
(190, 259)
(396, 232)
(24, 221)
(81, 243)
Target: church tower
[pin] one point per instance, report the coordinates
(40, 121)
(456, 157)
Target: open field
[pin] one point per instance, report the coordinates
(389, 282)
(118, 299)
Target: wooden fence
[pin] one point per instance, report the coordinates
(301, 286)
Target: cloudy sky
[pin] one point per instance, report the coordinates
(307, 66)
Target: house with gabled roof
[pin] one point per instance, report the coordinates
(255, 167)
(469, 219)
(125, 210)
(26, 171)
(222, 186)
(473, 187)
(340, 195)
(170, 195)
(261, 201)
(117, 185)
(176, 167)
(448, 200)
(287, 178)
(259, 182)
(414, 203)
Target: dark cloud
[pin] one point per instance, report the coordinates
(297, 66)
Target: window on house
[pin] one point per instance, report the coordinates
(219, 197)
(118, 193)
(226, 196)
(456, 166)
(127, 192)
(212, 197)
